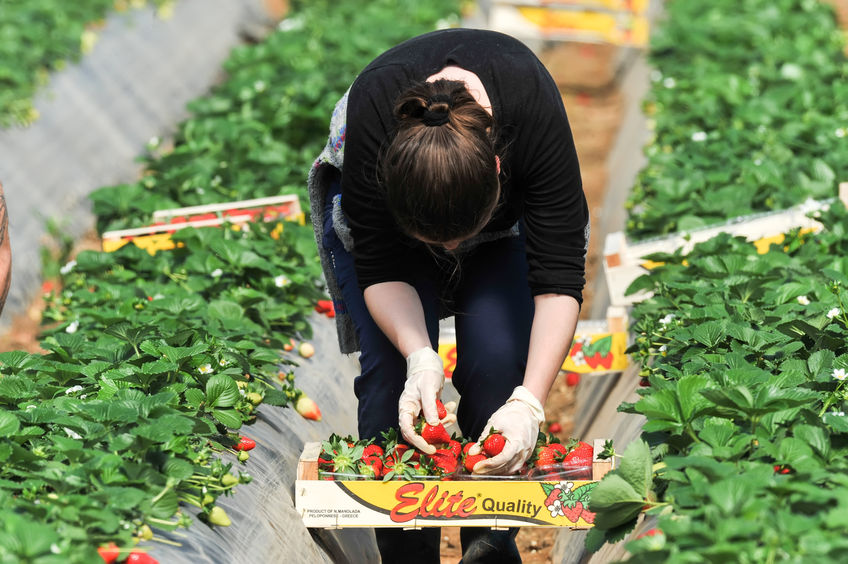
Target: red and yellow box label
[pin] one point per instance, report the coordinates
(501, 503)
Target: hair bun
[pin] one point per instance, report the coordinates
(438, 110)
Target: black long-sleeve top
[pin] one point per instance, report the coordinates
(540, 174)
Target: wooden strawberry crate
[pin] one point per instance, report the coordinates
(553, 500)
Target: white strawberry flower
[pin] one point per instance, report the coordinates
(699, 136)
(566, 486)
(72, 327)
(833, 313)
(803, 300)
(841, 132)
(839, 374)
(73, 434)
(669, 82)
(216, 273)
(281, 281)
(205, 369)
(667, 319)
(556, 508)
(68, 267)
(73, 390)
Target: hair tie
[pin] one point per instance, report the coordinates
(432, 118)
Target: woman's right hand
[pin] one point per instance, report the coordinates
(425, 378)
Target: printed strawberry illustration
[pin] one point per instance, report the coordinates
(588, 516)
(553, 496)
(572, 512)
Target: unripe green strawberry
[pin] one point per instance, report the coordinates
(243, 456)
(307, 408)
(217, 516)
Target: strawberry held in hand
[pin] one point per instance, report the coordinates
(433, 434)
(494, 444)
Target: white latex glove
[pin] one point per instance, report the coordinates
(425, 377)
(518, 420)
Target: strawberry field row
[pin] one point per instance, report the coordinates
(40, 37)
(130, 420)
(744, 356)
(749, 103)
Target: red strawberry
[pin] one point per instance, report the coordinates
(444, 462)
(139, 557)
(593, 361)
(582, 455)
(553, 496)
(781, 469)
(554, 428)
(455, 448)
(549, 456)
(372, 450)
(573, 513)
(109, 553)
(323, 306)
(245, 443)
(472, 460)
(440, 409)
(572, 379)
(467, 447)
(434, 434)
(494, 444)
(371, 466)
(650, 533)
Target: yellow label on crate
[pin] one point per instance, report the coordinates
(621, 28)
(598, 352)
(433, 503)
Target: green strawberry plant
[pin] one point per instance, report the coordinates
(746, 356)
(749, 103)
(40, 37)
(129, 421)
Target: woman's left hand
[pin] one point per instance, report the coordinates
(518, 420)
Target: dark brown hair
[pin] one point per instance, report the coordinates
(439, 173)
